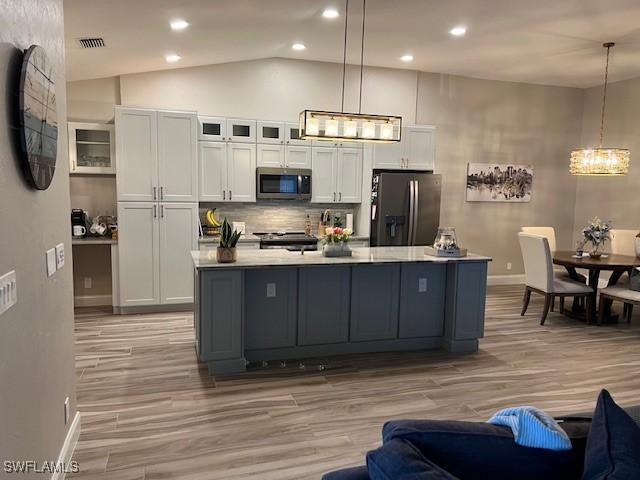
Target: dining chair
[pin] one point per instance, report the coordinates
(550, 234)
(623, 242)
(621, 293)
(541, 279)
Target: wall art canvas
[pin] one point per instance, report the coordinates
(499, 182)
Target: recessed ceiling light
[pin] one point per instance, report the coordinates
(172, 58)
(458, 31)
(178, 24)
(298, 46)
(330, 13)
(407, 58)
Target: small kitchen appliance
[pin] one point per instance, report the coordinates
(293, 241)
(78, 223)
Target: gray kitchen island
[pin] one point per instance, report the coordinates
(281, 305)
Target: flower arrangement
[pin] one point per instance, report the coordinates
(597, 233)
(337, 235)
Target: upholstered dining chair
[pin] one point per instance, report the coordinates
(541, 279)
(623, 242)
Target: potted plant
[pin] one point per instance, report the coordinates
(597, 233)
(336, 242)
(226, 252)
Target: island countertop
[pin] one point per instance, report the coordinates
(284, 258)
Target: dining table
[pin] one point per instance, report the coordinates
(612, 262)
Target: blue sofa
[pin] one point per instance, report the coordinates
(450, 450)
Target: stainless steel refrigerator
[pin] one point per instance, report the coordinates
(405, 208)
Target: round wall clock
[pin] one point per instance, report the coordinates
(38, 118)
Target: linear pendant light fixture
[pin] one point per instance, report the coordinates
(603, 161)
(354, 127)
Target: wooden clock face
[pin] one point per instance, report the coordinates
(38, 118)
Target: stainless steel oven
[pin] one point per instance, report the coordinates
(283, 183)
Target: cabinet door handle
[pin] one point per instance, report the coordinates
(224, 194)
(161, 193)
(162, 211)
(340, 196)
(155, 212)
(334, 196)
(155, 191)
(230, 195)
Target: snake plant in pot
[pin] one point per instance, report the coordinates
(226, 252)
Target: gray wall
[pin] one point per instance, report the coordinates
(476, 121)
(488, 121)
(615, 198)
(37, 369)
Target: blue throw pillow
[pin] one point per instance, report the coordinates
(399, 460)
(613, 446)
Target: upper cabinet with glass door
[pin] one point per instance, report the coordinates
(92, 148)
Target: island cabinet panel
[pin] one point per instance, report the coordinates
(323, 304)
(422, 290)
(374, 302)
(271, 307)
(220, 315)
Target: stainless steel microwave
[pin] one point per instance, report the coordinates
(283, 183)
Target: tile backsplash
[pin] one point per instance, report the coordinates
(274, 215)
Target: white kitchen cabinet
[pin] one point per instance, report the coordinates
(271, 132)
(239, 130)
(416, 150)
(292, 135)
(137, 152)
(349, 180)
(213, 171)
(212, 129)
(241, 172)
(270, 155)
(337, 175)
(155, 240)
(297, 156)
(138, 253)
(177, 156)
(91, 148)
(227, 172)
(178, 236)
(158, 155)
(324, 161)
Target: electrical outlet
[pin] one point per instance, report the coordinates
(88, 282)
(509, 265)
(8, 291)
(60, 256)
(271, 290)
(66, 410)
(422, 285)
(51, 262)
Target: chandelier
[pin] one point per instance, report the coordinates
(601, 160)
(354, 127)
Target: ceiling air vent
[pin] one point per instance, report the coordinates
(91, 42)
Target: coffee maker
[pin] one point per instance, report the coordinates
(78, 223)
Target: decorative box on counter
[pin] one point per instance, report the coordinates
(446, 244)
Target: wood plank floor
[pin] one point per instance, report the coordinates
(150, 411)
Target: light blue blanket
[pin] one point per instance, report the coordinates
(532, 427)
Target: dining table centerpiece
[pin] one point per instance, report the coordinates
(597, 233)
(336, 242)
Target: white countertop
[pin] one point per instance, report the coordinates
(254, 239)
(284, 258)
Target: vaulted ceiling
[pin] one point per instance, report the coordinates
(556, 42)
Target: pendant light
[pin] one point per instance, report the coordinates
(354, 127)
(603, 161)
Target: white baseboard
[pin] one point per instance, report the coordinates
(505, 279)
(92, 300)
(68, 447)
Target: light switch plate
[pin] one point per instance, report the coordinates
(271, 290)
(60, 255)
(8, 291)
(422, 285)
(51, 262)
